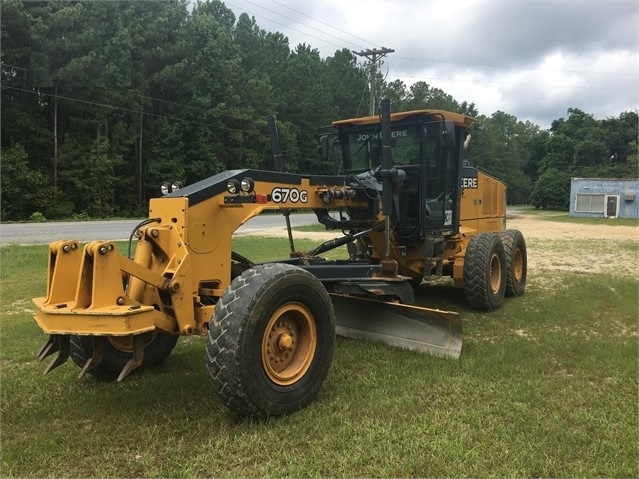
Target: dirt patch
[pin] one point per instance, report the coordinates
(553, 247)
(578, 248)
(18, 307)
(537, 227)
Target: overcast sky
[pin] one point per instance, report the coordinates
(532, 59)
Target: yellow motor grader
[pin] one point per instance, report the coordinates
(409, 207)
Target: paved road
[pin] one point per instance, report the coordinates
(83, 231)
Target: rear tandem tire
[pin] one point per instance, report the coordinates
(271, 340)
(485, 272)
(516, 261)
(118, 350)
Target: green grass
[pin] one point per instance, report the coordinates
(259, 249)
(315, 227)
(546, 387)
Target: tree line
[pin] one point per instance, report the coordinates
(102, 102)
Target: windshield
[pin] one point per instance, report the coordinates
(364, 146)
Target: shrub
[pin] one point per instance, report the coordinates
(552, 191)
(37, 217)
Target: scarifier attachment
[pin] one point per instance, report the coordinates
(95, 359)
(426, 330)
(136, 360)
(57, 343)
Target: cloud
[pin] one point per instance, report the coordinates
(533, 59)
(521, 32)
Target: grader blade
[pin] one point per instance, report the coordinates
(57, 343)
(426, 330)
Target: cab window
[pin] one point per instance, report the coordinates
(364, 147)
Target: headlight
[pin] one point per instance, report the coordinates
(233, 186)
(176, 185)
(165, 188)
(247, 185)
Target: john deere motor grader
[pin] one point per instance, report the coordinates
(409, 208)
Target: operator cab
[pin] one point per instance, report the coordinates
(427, 145)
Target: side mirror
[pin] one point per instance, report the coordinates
(447, 134)
(323, 147)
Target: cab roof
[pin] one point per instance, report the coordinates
(459, 119)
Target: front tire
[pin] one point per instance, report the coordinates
(271, 340)
(485, 272)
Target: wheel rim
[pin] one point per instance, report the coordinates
(518, 266)
(125, 343)
(288, 343)
(495, 273)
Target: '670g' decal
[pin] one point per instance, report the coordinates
(284, 195)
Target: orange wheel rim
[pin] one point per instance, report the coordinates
(495, 273)
(125, 343)
(518, 265)
(289, 343)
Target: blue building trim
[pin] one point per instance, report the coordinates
(598, 197)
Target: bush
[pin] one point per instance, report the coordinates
(552, 191)
(37, 217)
(82, 216)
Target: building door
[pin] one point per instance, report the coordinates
(612, 206)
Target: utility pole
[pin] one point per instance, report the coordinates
(374, 56)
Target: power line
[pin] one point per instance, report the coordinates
(129, 110)
(135, 94)
(159, 100)
(304, 25)
(283, 25)
(15, 67)
(323, 23)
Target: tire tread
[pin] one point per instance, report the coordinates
(477, 271)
